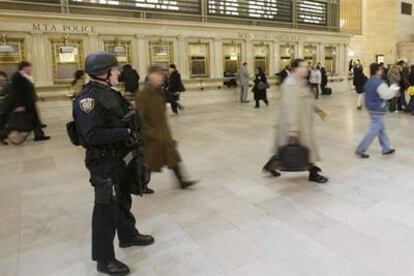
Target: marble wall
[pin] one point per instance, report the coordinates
(385, 32)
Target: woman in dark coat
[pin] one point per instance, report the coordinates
(131, 79)
(24, 98)
(175, 86)
(159, 146)
(324, 80)
(359, 82)
(260, 87)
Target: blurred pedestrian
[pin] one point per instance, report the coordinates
(130, 78)
(78, 82)
(359, 81)
(24, 98)
(260, 88)
(315, 80)
(394, 77)
(174, 88)
(295, 120)
(244, 83)
(4, 105)
(159, 146)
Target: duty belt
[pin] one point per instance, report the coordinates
(107, 153)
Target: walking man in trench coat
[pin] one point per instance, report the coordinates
(244, 83)
(295, 120)
(159, 146)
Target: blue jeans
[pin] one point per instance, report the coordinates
(376, 128)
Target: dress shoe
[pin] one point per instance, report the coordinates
(273, 172)
(186, 183)
(42, 138)
(138, 240)
(148, 191)
(112, 267)
(363, 155)
(314, 175)
(391, 151)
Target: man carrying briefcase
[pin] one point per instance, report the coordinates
(295, 133)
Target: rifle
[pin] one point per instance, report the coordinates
(139, 172)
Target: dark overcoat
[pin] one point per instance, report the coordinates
(159, 146)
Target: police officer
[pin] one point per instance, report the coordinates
(98, 113)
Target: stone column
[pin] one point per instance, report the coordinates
(93, 44)
(142, 55)
(134, 54)
(299, 49)
(322, 54)
(183, 58)
(249, 56)
(272, 68)
(217, 60)
(40, 54)
(345, 59)
(276, 56)
(318, 53)
(341, 59)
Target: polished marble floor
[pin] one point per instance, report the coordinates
(237, 221)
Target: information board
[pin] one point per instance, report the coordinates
(311, 12)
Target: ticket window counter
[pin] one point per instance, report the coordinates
(67, 57)
(121, 49)
(161, 53)
(330, 59)
(309, 54)
(199, 60)
(261, 57)
(13, 51)
(232, 58)
(287, 55)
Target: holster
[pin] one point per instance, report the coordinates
(105, 190)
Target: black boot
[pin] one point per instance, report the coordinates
(112, 267)
(148, 190)
(138, 240)
(268, 167)
(314, 175)
(183, 183)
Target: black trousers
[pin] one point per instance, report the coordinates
(315, 89)
(175, 105)
(111, 212)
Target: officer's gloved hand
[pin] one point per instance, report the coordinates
(132, 139)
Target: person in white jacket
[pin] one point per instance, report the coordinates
(315, 80)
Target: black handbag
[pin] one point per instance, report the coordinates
(20, 121)
(261, 85)
(293, 157)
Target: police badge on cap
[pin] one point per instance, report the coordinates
(87, 104)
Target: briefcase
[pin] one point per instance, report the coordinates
(293, 157)
(327, 91)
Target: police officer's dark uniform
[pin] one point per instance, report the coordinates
(98, 112)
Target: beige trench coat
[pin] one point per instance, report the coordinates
(296, 113)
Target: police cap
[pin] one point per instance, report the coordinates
(99, 63)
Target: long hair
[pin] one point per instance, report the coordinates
(78, 75)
